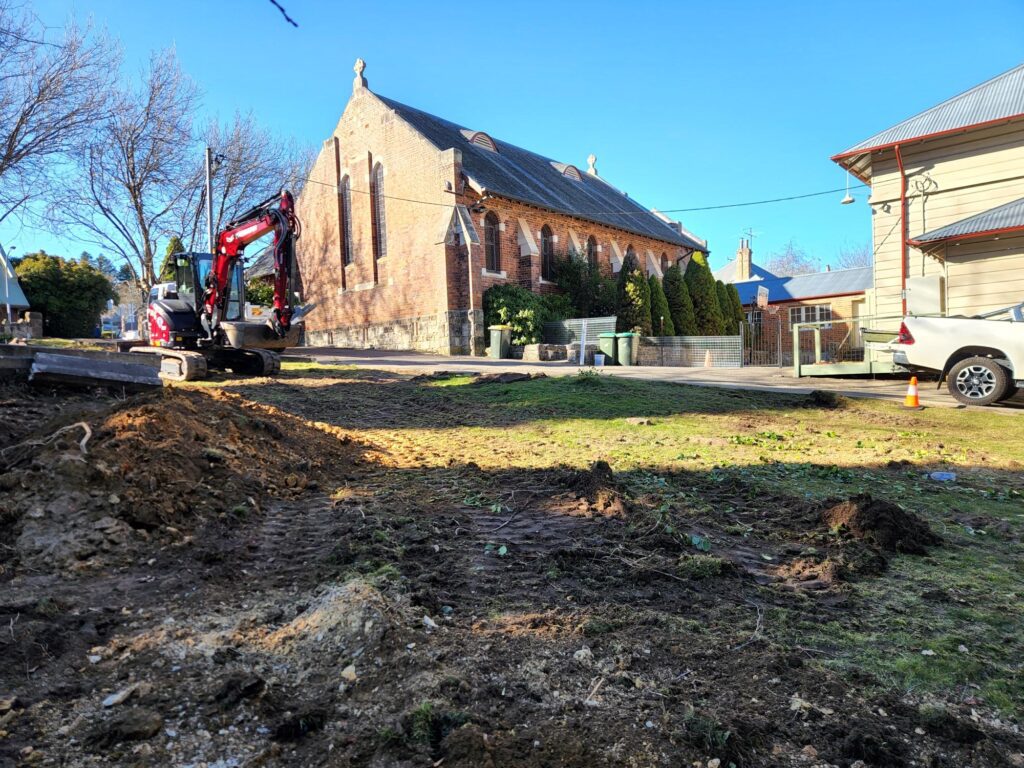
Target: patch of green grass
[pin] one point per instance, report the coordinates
(700, 566)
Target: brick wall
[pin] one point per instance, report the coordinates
(418, 295)
(522, 267)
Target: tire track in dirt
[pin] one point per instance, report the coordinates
(294, 537)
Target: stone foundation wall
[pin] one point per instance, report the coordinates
(28, 326)
(445, 333)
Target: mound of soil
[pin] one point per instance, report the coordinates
(596, 487)
(881, 523)
(160, 462)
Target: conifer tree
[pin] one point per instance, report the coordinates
(661, 317)
(166, 273)
(737, 305)
(680, 307)
(701, 285)
(729, 326)
(633, 298)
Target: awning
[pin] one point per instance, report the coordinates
(995, 221)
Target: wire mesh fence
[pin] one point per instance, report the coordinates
(571, 331)
(834, 341)
(692, 351)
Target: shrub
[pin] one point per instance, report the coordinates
(679, 305)
(701, 285)
(259, 292)
(661, 318)
(523, 310)
(633, 298)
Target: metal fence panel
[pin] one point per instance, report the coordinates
(692, 351)
(570, 331)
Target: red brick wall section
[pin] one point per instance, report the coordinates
(528, 273)
(410, 280)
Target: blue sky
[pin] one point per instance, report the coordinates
(684, 104)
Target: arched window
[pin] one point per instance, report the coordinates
(664, 263)
(547, 253)
(630, 253)
(592, 252)
(380, 239)
(492, 242)
(346, 221)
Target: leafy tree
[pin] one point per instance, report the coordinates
(633, 298)
(679, 305)
(725, 306)
(661, 317)
(701, 285)
(166, 273)
(71, 295)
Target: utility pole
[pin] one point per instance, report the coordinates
(209, 199)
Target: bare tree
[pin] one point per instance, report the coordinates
(52, 94)
(253, 165)
(136, 173)
(791, 260)
(855, 256)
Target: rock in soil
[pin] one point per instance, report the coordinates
(131, 725)
(881, 523)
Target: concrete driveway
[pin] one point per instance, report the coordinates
(756, 378)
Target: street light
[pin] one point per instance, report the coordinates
(849, 198)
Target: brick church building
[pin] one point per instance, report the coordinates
(408, 218)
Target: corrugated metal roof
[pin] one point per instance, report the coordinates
(727, 274)
(1000, 98)
(835, 283)
(525, 176)
(17, 296)
(262, 265)
(1003, 217)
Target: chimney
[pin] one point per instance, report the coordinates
(744, 261)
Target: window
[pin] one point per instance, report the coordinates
(754, 317)
(346, 222)
(492, 242)
(630, 253)
(592, 252)
(664, 263)
(380, 239)
(811, 313)
(547, 253)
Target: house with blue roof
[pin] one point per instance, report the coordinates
(409, 218)
(836, 299)
(947, 203)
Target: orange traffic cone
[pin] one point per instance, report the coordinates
(912, 400)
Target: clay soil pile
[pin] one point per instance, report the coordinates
(881, 523)
(86, 488)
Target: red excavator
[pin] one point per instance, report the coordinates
(198, 321)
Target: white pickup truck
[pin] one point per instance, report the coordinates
(982, 358)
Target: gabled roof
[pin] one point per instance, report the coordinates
(995, 221)
(518, 174)
(996, 100)
(727, 274)
(17, 296)
(839, 282)
(262, 265)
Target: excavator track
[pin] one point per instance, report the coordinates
(248, 361)
(177, 364)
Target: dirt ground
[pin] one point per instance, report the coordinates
(370, 570)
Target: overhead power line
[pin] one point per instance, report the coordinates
(623, 213)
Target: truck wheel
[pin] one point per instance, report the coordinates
(978, 381)
(1011, 390)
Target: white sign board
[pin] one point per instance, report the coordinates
(762, 297)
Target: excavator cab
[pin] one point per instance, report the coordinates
(192, 269)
